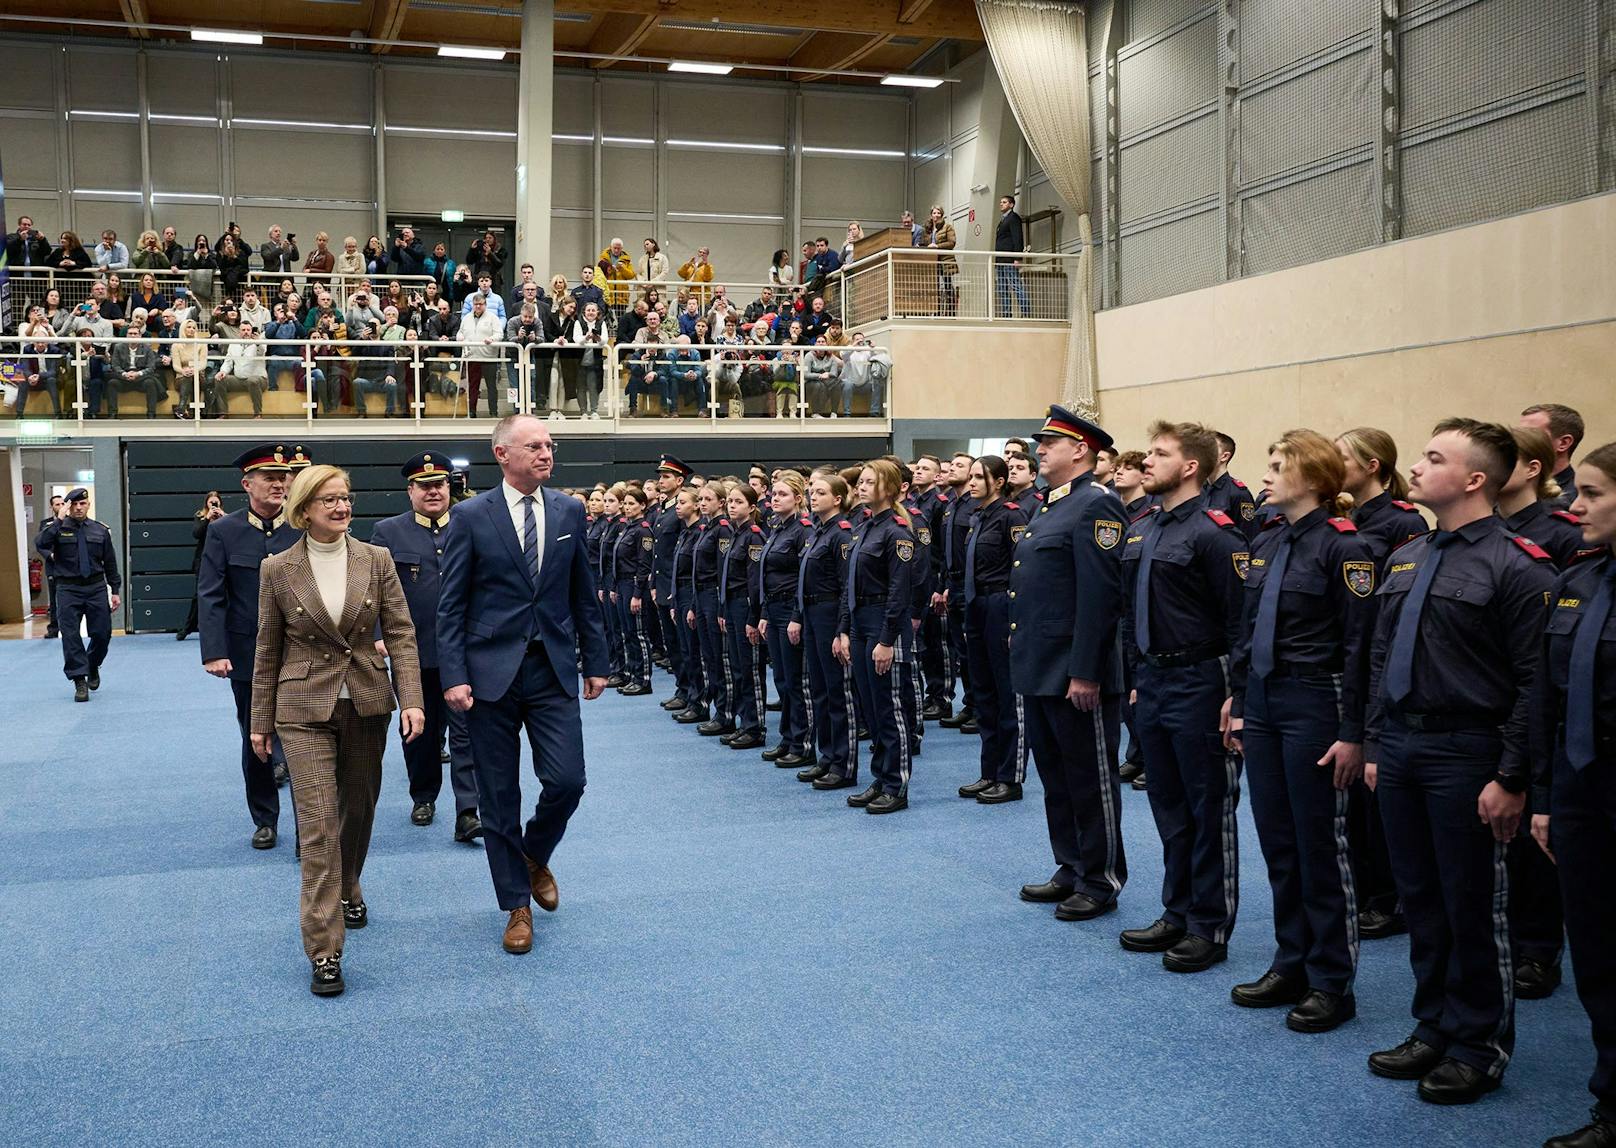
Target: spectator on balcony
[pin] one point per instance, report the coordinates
(110, 254)
(683, 374)
(644, 359)
(408, 257)
(616, 266)
(374, 257)
(816, 322)
(805, 270)
(278, 252)
(225, 324)
(515, 299)
(107, 307)
(855, 232)
(822, 380)
(173, 251)
(243, 368)
(558, 291)
(633, 318)
(721, 320)
(201, 267)
(487, 257)
(363, 311)
(147, 297)
(532, 293)
(185, 306)
(393, 325)
(69, 254)
(234, 232)
(764, 304)
(322, 310)
(480, 330)
(588, 291)
(324, 383)
(164, 326)
(836, 335)
(149, 254)
(59, 317)
(280, 334)
(1009, 236)
(253, 311)
(526, 329)
(780, 272)
(134, 367)
(233, 267)
(865, 367)
(590, 336)
(192, 377)
(698, 271)
(321, 261)
(461, 287)
(654, 302)
(349, 261)
(38, 364)
(939, 236)
(27, 247)
(567, 353)
(494, 305)
(442, 329)
(826, 261)
(88, 322)
(653, 266)
(689, 316)
(441, 268)
(788, 366)
(907, 220)
(428, 308)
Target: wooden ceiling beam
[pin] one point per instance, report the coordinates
(910, 11)
(944, 19)
(618, 34)
(827, 52)
(387, 22)
(134, 14)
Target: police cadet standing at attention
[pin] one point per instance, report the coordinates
(1527, 504)
(1301, 678)
(606, 578)
(1574, 790)
(631, 592)
(774, 593)
(416, 540)
(690, 685)
(1065, 608)
(1457, 639)
(79, 551)
(1564, 427)
(1183, 569)
(950, 596)
(227, 604)
(875, 636)
(718, 690)
(931, 500)
(740, 544)
(821, 579)
(666, 527)
(1227, 493)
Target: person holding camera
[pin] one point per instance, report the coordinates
(26, 246)
(643, 367)
(278, 253)
(212, 510)
(408, 257)
(487, 257)
(525, 330)
(89, 322)
(589, 333)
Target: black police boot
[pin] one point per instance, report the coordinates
(830, 779)
(1082, 907)
(888, 803)
(999, 792)
(789, 760)
(746, 739)
(714, 728)
(1455, 1082)
(1320, 1011)
(635, 690)
(970, 728)
(355, 916)
(979, 786)
(94, 680)
(1535, 979)
(954, 721)
(1194, 955)
(468, 827)
(691, 716)
(860, 800)
(1601, 1133)
(81, 691)
(1269, 991)
(264, 837)
(674, 704)
(1049, 891)
(1378, 924)
(1156, 937)
(1408, 1061)
(326, 980)
(775, 752)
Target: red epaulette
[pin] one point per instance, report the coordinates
(1584, 555)
(942, 496)
(701, 526)
(845, 524)
(1530, 547)
(1151, 509)
(868, 513)
(1012, 506)
(1406, 541)
(1219, 517)
(1039, 495)
(1401, 505)
(756, 529)
(1238, 483)
(1276, 520)
(1567, 515)
(807, 521)
(1344, 525)
(723, 522)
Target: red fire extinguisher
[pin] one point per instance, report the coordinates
(36, 575)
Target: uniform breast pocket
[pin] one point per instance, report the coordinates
(1564, 621)
(1462, 592)
(244, 561)
(1302, 582)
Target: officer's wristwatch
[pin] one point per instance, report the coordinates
(1514, 784)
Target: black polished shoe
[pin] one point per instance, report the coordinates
(1320, 1011)
(970, 728)
(860, 800)
(1139, 783)
(690, 716)
(1194, 955)
(1156, 937)
(326, 980)
(94, 680)
(714, 728)
(954, 721)
(814, 772)
(791, 760)
(863, 734)
(1268, 991)
(976, 787)
(937, 711)
(774, 752)
(832, 780)
(616, 680)
(729, 737)
(773, 707)
(264, 837)
(1000, 792)
(283, 775)
(746, 739)
(1049, 892)
(423, 813)
(468, 827)
(675, 704)
(1377, 925)
(1535, 979)
(887, 803)
(1455, 1082)
(1131, 770)
(1408, 1061)
(81, 692)
(637, 690)
(1082, 907)
(1601, 1133)
(355, 916)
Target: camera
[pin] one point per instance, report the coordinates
(458, 488)
(291, 235)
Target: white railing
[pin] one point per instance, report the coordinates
(952, 285)
(30, 286)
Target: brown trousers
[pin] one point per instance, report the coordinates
(336, 770)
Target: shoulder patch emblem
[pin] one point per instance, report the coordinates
(1360, 577)
(1219, 517)
(1015, 534)
(1248, 511)
(1107, 534)
(1344, 525)
(723, 545)
(924, 534)
(905, 548)
(753, 553)
(1531, 548)
(1242, 562)
(647, 542)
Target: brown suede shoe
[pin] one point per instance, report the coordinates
(544, 886)
(519, 931)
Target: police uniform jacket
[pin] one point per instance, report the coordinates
(823, 571)
(1144, 504)
(1228, 494)
(956, 523)
(1557, 531)
(1066, 591)
(684, 551)
(79, 553)
(880, 572)
(1386, 523)
(921, 580)
(606, 571)
(1481, 633)
(774, 573)
(1325, 615)
(994, 531)
(1572, 596)
(1196, 577)
(665, 531)
(739, 545)
(632, 561)
(704, 553)
(416, 543)
(594, 531)
(227, 585)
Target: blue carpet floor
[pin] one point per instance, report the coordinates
(737, 960)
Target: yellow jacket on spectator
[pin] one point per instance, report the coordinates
(692, 272)
(612, 268)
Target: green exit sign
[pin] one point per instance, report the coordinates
(454, 217)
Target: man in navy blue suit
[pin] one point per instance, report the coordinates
(518, 608)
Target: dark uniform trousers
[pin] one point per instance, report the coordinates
(1371, 860)
(1536, 916)
(651, 619)
(886, 701)
(1000, 714)
(936, 659)
(957, 645)
(263, 798)
(1301, 817)
(84, 599)
(1582, 827)
(636, 639)
(744, 666)
(796, 707)
(673, 642)
(1454, 884)
(1076, 756)
(832, 728)
(692, 684)
(715, 668)
(423, 760)
(1194, 791)
(616, 648)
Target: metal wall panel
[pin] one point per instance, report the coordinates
(843, 187)
(740, 251)
(744, 182)
(425, 97)
(1170, 169)
(101, 79)
(1169, 78)
(1319, 218)
(30, 78)
(626, 107)
(106, 154)
(835, 119)
(182, 83)
(185, 158)
(1321, 113)
(1180, 256)
(1487, 52)
(931, 117)
(626, 179)
(1146, 18)
(304, 165)
(481, 180)
(1274, 33)
(304, 88)
(30, 154)
(719, 112)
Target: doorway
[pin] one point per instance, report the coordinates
(458, 237)
(47, 472)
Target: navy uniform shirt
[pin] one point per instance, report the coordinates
(739, 545)
(1228, 494)
(880, 571)
(81, 550)
(774, 573)
(823, 572)
(665, 531)
(1326, 610)
(995, 529)
(227, 585)
(631, 561)
(606, 572)
(1066, 591)
(705, 552)
(594, 532)
(1141, 505)
(1557, 531)
(956, 522)
(1571, 598)
(932, 504)
(1481, 633)
(1386, 523)
(684, 550)
(416, 543)
(1196, 579)
(921, 582)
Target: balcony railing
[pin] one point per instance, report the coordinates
(30, 286)
(958, 286)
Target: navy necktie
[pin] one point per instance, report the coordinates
(1263, 633)
(723, 572)
(852, 573)
(1582, 686)
(1400, 660)
(970, 557)
(948, 539)
(530, 539)
(802, 577)
(84, 552)
(1141, 590)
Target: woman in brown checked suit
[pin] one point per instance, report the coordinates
(320, 685)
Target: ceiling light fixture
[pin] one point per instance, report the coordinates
(220, 36)
(462, 52)
(701, 69)
(911, 82)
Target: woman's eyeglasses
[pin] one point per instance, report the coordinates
(332, 501)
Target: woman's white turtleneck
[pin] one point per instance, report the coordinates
(328, 562)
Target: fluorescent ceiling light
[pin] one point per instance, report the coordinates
(701, 69)
(85, 114)
(870, 152)
(218, 36)
(460, 52)
(158, 117)
(628, 141)
(199, 196)
(726, 215)
(479, 133)
(722, 145)
(911, 82)
(106, 192)
(299, 124)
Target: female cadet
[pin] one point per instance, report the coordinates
(703, 615)
(1522, 503)
(1300, 677)
(1574, 791)
(820, 581)
(996, 526)
(875, 636)
(606, 578)
(690, 688)
(774, 591)
(631, 592)
(740, 544)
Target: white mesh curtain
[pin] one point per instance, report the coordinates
(1040, 48)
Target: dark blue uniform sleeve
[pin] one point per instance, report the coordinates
(109, 560)
(1353, 569)
(1526, 592)
(1224, 556)
(900, 582)
(45, 540)
(213, 596)
(1546, 711)
(586, 613)
(1098, 570)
